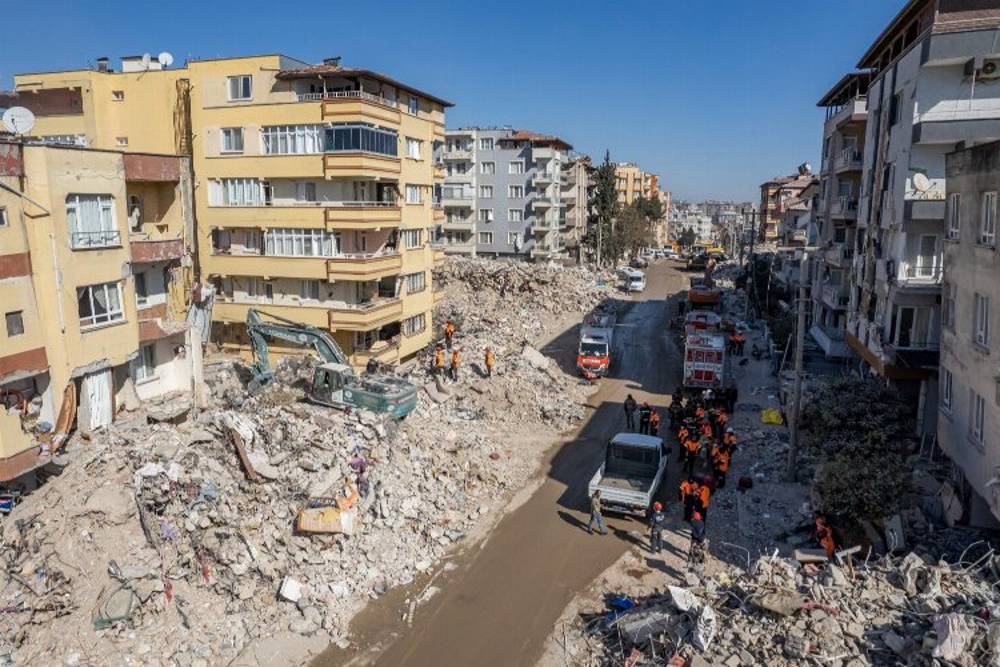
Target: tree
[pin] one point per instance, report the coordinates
(606, 208)
(687, 237)
(652, 209)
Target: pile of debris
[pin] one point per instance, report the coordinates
(904, 611)
(259, 525)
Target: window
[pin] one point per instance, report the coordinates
(141, 291)
(356, 137)
(486, 144)
(232, 139)
(291, 139)
(415, 282)
(144, 365)
(954, 211)
(240, 87)
(948, 306)
(413, 106)
(977, 418)
(513, 238)
(487, 168)
(3, 216)
(414, 325)
(982, 320)
(486, 238)
(515, 215)
(485, 215)
(15, 323)
(91, 221)
(309, 290)
(947, 389)
(305, 191)
(99, 304)
(988, 219)
(236, 192)
(894, 108)
(413, 148)
(118, 95)
(413, 194)
(121, 141)
(486, 191)
(515, 191)
(293, 242)
(515, 167)
(412, 238)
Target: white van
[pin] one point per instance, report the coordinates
(634, 280)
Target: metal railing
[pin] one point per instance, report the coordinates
(348, 95)
(107, 238)
(921, 273)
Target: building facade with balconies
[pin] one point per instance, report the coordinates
(836, 211)
(927, 94)
(969, 387)
(315, 192)
(504, 191)
(93, 291)
(775, 196)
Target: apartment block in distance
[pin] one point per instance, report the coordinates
(969, 395)
(94, 276)
(837, 211)
(314, 193)
(775, 195)
(930, 92)
(504, 189)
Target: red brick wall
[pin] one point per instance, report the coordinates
(29, 360)
(152, 168)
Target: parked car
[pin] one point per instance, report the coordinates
(697, 262)
(634, 466)
(639, 263)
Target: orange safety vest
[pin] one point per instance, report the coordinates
(692, 445)
(654, 418)
(454, 359)
(729, 439)
(449, 329)
(704, 493)
(489, 359)
(688, 489)
(722, 418)
(683, 433)
(720, 458)
(439, 358)
(706, 429)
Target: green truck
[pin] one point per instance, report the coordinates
(335, 383)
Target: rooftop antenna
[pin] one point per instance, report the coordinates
(146, 60)
(166, 59)
(18, 120)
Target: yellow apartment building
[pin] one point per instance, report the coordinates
(92, 289)
(633, 183)
(314, 185)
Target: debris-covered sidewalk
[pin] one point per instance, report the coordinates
(252, 531)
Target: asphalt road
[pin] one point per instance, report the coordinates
(497, 607)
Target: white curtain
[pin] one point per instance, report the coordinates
(97, 398)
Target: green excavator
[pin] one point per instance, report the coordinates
(335, 384)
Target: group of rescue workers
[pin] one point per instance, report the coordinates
(440, 355)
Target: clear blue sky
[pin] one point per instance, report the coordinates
(714, 96)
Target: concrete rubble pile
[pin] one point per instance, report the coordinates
(184, 537)
(913, 611)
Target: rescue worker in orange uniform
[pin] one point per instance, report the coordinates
(691, 446)
(704, 495)
(720, 465)
(654, 423)
(689, 497)
(729, 440)
(490, 361)
(449, 332)
(721, 421)
(455, 361)
(824, 536)
(439, 360)
(740, 343)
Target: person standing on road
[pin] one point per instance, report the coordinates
(692, 445)
(688, 496)
(657, 522)
(704, 495)
(675, 411)
(645, 412)
(490, 361)
(630, 407)
(720, 465)
(596, 518)
(696, 551)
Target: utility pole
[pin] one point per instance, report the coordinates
(600, 238)
(752, 266)
(800, 340)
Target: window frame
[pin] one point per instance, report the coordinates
(141, 299)
(19, 314)
(488, 218)
(988, 219)
(492, 170)
(110, 317)
(232, 136)
(419, 277)
(240, 87)
(485, 238)
(981, 320)
(411, 188)
(511, 167)
(142, 371)
(413, 105)
(307, 288)
(513, 238)
(948, 305)
(947, 401)
(486, 144)
(410, 141)
(409, 330)
(105, 203)
(977, 419)
(953, 218)
(512, 191)
(292, 139)
(117, 95)
(483, 189)
(518, 211)
(407, 236)
(3, 217)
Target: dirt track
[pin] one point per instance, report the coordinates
(499, 604)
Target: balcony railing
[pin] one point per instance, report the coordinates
(844, 206)
(921, 273)
(457, 154)
(107, 238)
(847, 159)
(348, 95)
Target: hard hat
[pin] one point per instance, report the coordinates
(696, 516)
(729, 430)
(657, 506)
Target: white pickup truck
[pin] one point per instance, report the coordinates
(633, 468)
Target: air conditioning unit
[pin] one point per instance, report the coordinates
(983, 69)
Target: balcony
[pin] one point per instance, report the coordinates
(543, 153)
(849, 159)
(364, 266)
(356, 106)
(459, 224)
(835, 296)
(266, 266)
(919, 275)
(366, 316)
(844, 208)
(541, 178)
(144, 250)
(439, 254)
(466, 247)
(383, 351)
(107, 238)
(459, 178)
(462, 154)
(544, 200)
(831, 340)
(854, 111)
(362, 215)
(360, 164)
(439, 172)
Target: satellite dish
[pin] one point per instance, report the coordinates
(921, 182)
(18, 120)
(166, 58)
(146, 60)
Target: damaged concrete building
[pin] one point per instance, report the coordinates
(95, 269)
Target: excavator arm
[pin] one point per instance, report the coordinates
(278, 328)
